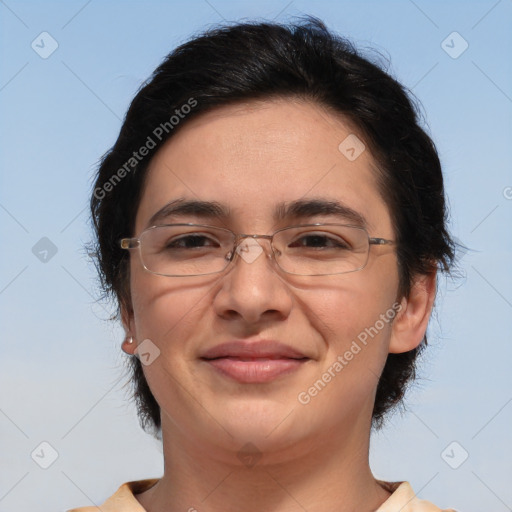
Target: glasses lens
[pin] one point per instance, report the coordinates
(321, 250)
(185, 250)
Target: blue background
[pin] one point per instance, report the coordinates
(62, 374)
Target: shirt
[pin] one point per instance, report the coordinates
(402, 499)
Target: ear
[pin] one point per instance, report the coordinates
(127, 318)
(410, 324)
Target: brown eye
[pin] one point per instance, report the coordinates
(319, 241)
(191, 242)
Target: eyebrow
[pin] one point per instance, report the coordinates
(190, 207)
(299, 209)
(305, 208)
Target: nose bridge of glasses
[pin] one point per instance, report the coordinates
(248, 248)
(242, 236)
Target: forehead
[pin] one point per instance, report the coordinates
(255, 155)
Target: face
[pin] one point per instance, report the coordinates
(251, 158)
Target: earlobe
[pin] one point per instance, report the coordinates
(409, 326)
(128, 346)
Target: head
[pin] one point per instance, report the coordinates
(252, 116)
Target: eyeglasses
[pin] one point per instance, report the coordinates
(178, 250)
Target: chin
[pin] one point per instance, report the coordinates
(266, 423)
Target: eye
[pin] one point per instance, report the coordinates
(191, 241)
(320, 241)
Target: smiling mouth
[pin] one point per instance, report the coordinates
(256, 358)
(247, 369)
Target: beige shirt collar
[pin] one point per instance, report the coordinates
(402, 499)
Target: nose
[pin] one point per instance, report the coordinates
(253, 290)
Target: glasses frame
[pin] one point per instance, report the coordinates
(135, 243)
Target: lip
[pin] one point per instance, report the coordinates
(268, 349)
(254, 362)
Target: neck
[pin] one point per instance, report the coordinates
(331, 473)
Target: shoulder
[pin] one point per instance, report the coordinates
(123, 500)
(403, 498)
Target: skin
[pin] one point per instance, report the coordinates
(250, 157)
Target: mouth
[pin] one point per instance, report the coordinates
(255, 362)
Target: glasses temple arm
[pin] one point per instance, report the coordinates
(129, 243)
(381, 241)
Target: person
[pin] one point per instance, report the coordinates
(271, 222)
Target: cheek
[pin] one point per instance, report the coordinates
(169, 316)
(354, 316)
(165, 310)
(355, 324)
(352, 303)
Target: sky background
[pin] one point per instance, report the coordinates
(61, 367)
